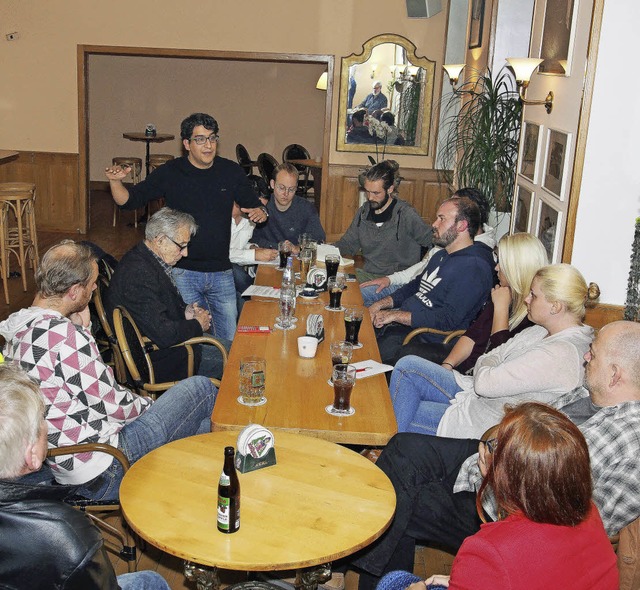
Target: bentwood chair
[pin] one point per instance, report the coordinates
(266, 165)
(135, 165)
(244, 159)
(135, 350)
(119, 541)
(297, 152)
(447, 336)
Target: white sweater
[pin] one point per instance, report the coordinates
(529, 366)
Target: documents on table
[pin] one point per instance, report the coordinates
(370, 368)
(325, 250)
(261, 291)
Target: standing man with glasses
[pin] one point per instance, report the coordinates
(204, 185)
(289, 214)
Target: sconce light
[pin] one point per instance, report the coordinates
(373, 70)
(453, 71)
(523, 68)
(322, 81)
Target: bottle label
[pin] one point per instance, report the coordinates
(224, 479)
(224, 508)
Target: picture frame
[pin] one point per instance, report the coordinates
(548, 226)
(529, 154)
(557, 31)
(476, 23)
(522, 209)
(555, 162)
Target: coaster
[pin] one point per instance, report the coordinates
(309, 296)
(356, 346)
(293, 319)
(279, 326)
(261, 402)
(331, 410)
(334, 309)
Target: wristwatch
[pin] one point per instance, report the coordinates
(264, 210)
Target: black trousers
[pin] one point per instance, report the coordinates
(423, 470)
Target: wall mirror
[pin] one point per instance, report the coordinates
(395, 88)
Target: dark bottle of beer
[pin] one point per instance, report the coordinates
(228, 495)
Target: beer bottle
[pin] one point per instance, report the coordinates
(228, 495)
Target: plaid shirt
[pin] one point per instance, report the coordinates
(613, 437)
(166, 267)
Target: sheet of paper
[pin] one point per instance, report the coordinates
(260, 291)
(326, 249)
(370, 368)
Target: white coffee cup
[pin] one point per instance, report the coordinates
(307, 346)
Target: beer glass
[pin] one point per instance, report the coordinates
(352, 322)
(253, 370)
(287, 304)
(335, 286)
(306, 257)
(341, 353)
(344, 378)
(332, 262)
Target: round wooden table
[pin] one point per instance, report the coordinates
(157, 138)
(319, 503)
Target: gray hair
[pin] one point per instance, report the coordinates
(64, 265)
(167, 222)
(21, 416)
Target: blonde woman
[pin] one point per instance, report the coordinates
(540, 363)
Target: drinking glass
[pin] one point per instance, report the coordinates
(344, 378)
(335, 286)
(253, 370)
(332, 262)
(305, 264)
(284, 249)
(341, 352)
(352, 322)
(287, 305)
(313, 246)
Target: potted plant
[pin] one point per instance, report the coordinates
(481, 132)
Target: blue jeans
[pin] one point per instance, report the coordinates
(211, 359)
(146, 580)
(183, 410)
(214, 291)
(369, 295)
(420, 393)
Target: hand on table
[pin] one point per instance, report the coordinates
(266, 254)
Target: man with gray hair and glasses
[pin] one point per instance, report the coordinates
(204, 185)
(45, 543)
(144, 285)
(52, 341)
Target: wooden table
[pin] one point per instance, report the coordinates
(7, 155)
(319, 502)
(297, 391)
(141, 136)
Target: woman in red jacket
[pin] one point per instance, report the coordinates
(550, 534)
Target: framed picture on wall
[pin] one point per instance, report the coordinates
(548, 229)
(476, 24)
(522, 210)
(556, 37)
(529, 156)
(555, 162)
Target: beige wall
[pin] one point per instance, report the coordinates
(266, 106)
(38, 105)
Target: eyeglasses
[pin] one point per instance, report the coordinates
(491, 444)
(181, 247)
(201, 139)
(286, 190)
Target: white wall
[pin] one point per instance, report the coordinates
(610, 192)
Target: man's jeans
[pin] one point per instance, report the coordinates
(183, 410)
(146, 580)
(369, 295)
(420, 393)
(214, 291)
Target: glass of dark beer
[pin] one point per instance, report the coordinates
(352, 322)
(332, 262)
(335, 286)
(284, 249)
(344, 378)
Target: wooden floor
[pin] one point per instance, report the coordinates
(116, 241)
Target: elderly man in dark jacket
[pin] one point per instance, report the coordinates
(144, 285)
(43, 542)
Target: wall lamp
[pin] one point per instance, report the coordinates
(523, 68)
(374, 67)
(453, 71)
(322, 81)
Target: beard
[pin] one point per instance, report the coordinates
(374, 205)
(448, 237)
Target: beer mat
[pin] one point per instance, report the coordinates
(261, 291)
(370, 368)
(331, 410)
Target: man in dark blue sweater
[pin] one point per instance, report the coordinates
(452, 289)
(205, 186)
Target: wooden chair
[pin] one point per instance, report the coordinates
(448, 336)
(135, 173)
(297, 152)
(627, 546)
(135, 350)
(244, 159)
(155, 161)
(119, 541)
(266, 165)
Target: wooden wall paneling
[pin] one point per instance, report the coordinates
(56, 178)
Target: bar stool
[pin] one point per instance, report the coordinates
(136, 170)
(155, 161)
(17, 203)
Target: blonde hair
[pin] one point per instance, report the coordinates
(565, 283)
(520, 256)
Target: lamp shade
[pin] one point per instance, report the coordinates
(453, 71)
(523, 67)
(322, 81)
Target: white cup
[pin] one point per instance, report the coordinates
(307, 346)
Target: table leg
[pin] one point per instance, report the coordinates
(146, 162)
(206, 578)
(308, 579)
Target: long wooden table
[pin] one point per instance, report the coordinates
(297, 390)
(319, 502)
